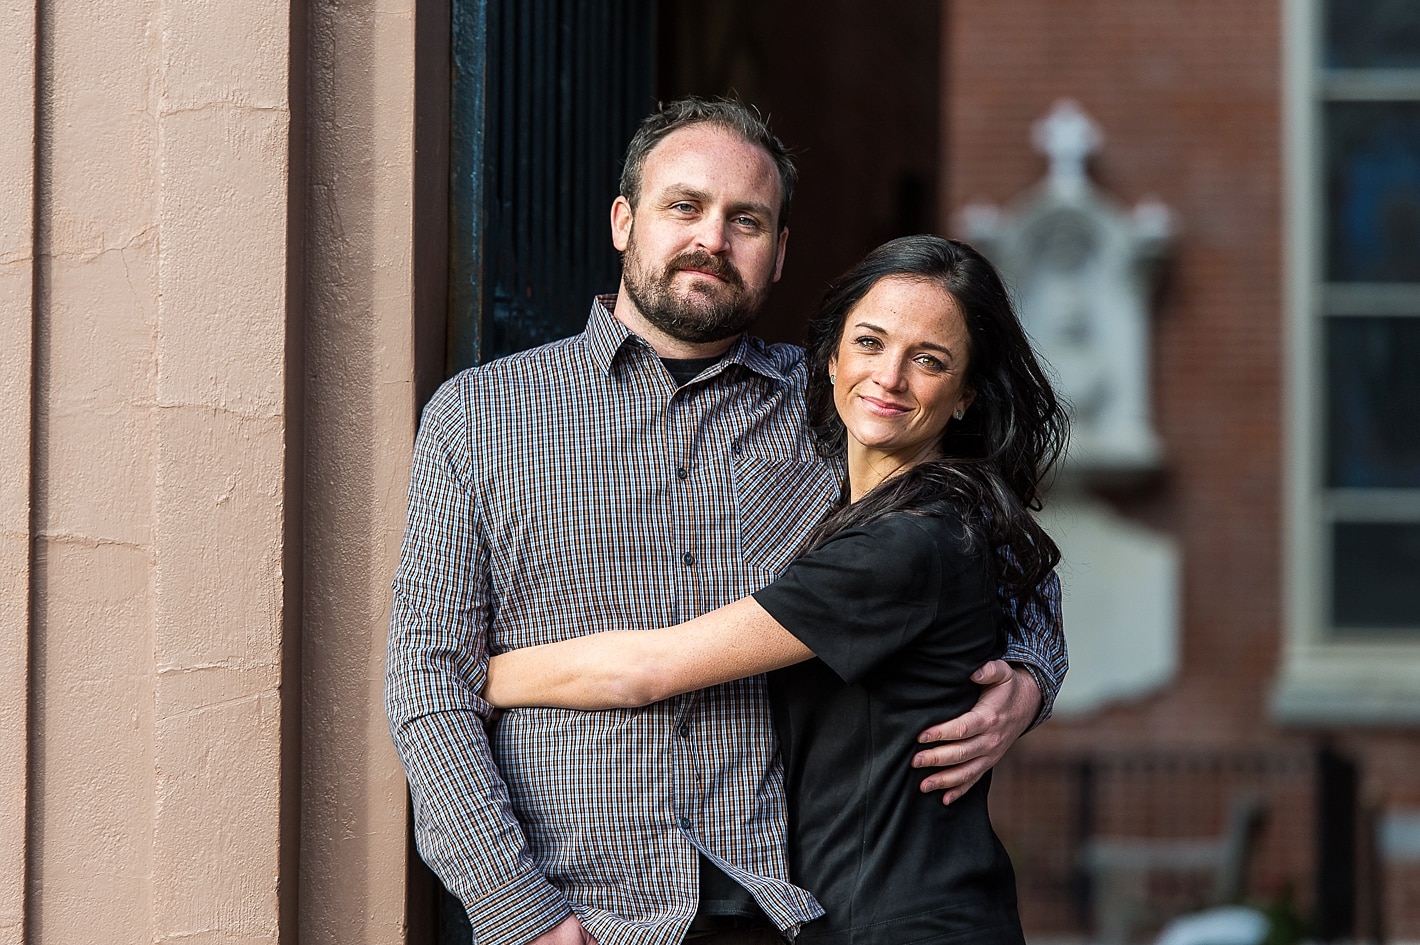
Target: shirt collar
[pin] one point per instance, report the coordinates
(606, 336)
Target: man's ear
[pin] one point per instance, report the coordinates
(621, 225)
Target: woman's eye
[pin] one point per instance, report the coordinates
(927, 361)
(867, 341)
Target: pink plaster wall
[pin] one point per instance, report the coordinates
(17, 46)
(220, 409)
(360, 417)
(90, 830)
(208, 460)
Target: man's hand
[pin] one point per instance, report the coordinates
(976, 740)
(567, 932)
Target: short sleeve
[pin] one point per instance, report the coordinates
(868, 593)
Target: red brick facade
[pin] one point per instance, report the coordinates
(1190, 99)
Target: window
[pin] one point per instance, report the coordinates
(1353, 142)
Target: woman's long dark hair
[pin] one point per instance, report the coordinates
(994, 459)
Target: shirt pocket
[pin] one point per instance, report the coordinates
(778, 502)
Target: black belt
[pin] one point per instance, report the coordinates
(704, 924)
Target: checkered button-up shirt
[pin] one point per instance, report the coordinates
(572, 489)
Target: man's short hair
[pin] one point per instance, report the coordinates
(732, 116)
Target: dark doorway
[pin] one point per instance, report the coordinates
(854, 89)
(546, 93)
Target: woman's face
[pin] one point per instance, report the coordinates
(900, 369)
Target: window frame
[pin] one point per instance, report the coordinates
(1325, 678)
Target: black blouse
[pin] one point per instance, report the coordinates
(899, 612)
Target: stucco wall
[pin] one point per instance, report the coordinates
(17, 46)
(160, 511)
(360, 415)
(206, 377)
(92, 785)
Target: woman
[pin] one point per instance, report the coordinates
(922, 381)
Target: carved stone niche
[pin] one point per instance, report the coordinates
(1082, 269)
(1083, 272)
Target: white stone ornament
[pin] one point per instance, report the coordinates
(1083, 272)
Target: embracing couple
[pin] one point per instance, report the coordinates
(614, 538)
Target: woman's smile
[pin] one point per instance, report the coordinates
(884, 407)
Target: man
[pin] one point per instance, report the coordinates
(648, 470)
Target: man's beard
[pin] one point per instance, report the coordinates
(706, 313)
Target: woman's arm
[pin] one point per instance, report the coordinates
(625, 668)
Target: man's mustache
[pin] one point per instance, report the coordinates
(715, 265)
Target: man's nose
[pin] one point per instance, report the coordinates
(711, 234)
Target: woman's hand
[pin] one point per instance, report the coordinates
(974, 742)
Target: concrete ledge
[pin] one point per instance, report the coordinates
(1349, 684)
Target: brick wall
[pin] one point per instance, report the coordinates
(1189, 96)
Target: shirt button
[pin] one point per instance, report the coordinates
(682, 473)
(684, 730)
(684, 823)
(687, 559)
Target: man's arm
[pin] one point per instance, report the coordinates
(438, 653)
(1015, 697)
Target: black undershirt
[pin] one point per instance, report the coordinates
(720, 896)
(685, 370)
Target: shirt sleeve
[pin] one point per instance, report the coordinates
(864, 595)
(464, 823)
(1035, 640)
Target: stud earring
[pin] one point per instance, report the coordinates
(958, 414)
(832, 379)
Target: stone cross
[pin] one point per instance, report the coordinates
(1067, 137)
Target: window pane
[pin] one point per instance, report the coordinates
(1372, 34)
(1373, 403)
(1373, 191)
(1376, 570)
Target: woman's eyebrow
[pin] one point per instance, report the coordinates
(931, 345)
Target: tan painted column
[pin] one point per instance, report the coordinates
(17, 165)
(360, 430)
(91, 807)
(168, 466)
(222, 516)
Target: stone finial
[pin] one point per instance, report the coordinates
(1067, 137)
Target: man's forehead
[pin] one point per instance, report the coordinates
(688, 158)
(710, 144)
